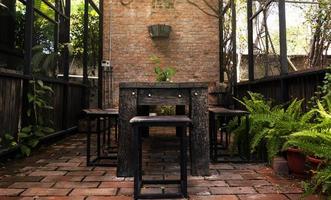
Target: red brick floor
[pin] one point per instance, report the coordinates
(59, 172)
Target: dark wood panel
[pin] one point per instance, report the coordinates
(10, 105)
(299, 86)
(163, 97)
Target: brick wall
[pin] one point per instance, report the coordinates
(192, 47)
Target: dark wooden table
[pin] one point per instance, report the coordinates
(215, 113)
(136, 95)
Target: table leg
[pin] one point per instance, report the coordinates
(127, 110)
(88, 142)
(98, 138)
(199, 134)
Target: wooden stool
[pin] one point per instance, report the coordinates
(164, 121)
(223, 116)
(104, 116)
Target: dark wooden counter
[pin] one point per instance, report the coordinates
(194, 95)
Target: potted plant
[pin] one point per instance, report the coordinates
(270, 125)
(163, 74)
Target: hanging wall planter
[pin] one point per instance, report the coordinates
(159, 31)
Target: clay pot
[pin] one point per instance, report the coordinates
(314, 162)
(296, 161)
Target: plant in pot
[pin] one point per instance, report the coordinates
(269, 125)
(315, 141)
(163, 74)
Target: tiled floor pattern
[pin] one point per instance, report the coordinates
(59, 172)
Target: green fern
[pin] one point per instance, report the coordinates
(269, 125)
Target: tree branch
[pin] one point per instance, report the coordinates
(201, 9)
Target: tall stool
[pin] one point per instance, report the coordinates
(221, 116)
(164, 121)
(103, 133)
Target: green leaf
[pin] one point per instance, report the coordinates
(23, 135)
(39, 133)
(33, 143)
(25, 150)
(48, 129)
(40, 83)
(26, 129)
(8, 137)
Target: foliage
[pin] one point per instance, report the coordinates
(167, 110)
(162, 74)
(315, 140)
(7, 141)
(320, 20)
(323, 91)
(269, 124)
(30, 135)
(320, 182)
(77, 39)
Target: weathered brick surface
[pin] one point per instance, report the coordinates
(192, 47)
(94, 192)
(44, 182)
(45, 192)
(10, 192)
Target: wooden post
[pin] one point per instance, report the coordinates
(100, 69)
(283, 48)
(85, 101)
(250, 40)
(64, 38)
(27, 58)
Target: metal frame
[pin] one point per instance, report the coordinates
(85, 54)
(61, 22)
(282, 39)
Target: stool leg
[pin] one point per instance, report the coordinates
(215, 147)
(116, 129)
(103, 132)
(135, 160)
(88, 142)
(98, 138)
(211, 125)
(109, 132)
(183, 161)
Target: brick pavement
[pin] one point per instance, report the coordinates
(59, 172)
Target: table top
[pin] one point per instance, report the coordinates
(163, 85)
(99, 112)
(226, 111)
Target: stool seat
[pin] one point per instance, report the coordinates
(161, 120)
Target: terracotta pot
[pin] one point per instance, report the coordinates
(296, 161)
(314, 162)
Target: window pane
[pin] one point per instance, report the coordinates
(11, 34)
(45, 56)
